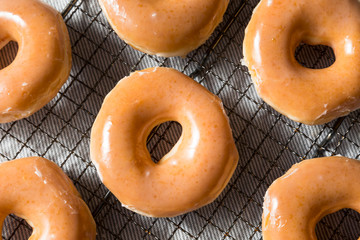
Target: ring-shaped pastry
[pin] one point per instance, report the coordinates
(37, 190)
(197, 168)
(43, 61)
(310, 190)
(310, 96)
(165, 28)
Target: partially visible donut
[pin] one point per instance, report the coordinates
(43, 61)
(193, 173)
(297, 201)
(305, 95)
(164, 28)
(37, 190)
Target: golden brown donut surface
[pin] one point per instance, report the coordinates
(37, 190)
(43, 60)
(193, 173)
(305, 95)
(310, 190)
(166, 27)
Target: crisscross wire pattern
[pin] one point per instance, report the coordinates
(268, 142)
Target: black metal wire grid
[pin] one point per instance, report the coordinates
(268, 143)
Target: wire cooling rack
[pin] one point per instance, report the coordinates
(268, 142)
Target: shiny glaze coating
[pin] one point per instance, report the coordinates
(166, 27)
(37, 190)
(310, 190)
(305, 95)
(43, 60)
(197, 168)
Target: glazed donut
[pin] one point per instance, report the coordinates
(164, 28)
(38, 191)
(193, 173)
(305, 95)
(43, 61)
(310, 190)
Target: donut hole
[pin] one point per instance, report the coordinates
(343, 224)
(162, 139)
(8, 54)
(15, 227)
(315, 56)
